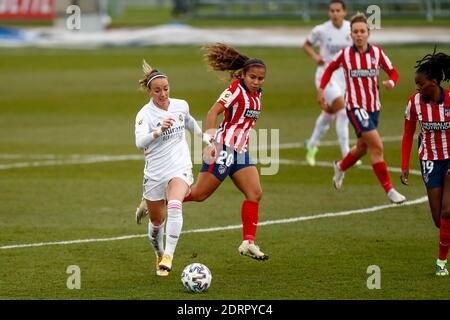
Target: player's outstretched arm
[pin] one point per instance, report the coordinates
(193, 126)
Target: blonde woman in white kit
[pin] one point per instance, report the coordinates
(160, 132)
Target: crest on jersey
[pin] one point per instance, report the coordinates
(447, 111)
(140, 122)
(373, 60)
(180, 117)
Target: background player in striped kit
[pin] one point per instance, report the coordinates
(160, 132)
(431, 107)
(332, 36)
(240, 105)
(361, 63)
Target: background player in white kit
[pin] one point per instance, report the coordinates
(160, 132)
(331, 36)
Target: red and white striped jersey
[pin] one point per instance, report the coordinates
(434, 120)
(361, 75)
(242, 109)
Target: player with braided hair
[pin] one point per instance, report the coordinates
(430, 105)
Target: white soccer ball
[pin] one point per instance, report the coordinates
(196, 277)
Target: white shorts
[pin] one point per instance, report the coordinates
(156, 190)
(335, 88)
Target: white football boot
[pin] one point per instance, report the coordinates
(252, 250)
(395, 196)
(338, 177)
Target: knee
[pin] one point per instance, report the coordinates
(378, 150)
(254, 196)
(157, 221)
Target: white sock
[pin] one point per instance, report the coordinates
(342, 131)
(156, 236)
(173, 225)
(322, 126)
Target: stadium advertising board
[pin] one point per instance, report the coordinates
(27, 9)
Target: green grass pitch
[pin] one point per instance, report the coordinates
(68, 104)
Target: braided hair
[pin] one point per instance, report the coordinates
(435, 66)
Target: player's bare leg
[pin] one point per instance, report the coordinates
(435, 202)
(176, 191)
(205, 185)
(247, 181)
(444, 229)
(156, 231)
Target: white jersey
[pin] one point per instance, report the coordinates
(331, 40)
(169, 154)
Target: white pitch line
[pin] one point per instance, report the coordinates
(87, 160)
(329, 143)
(231, 227)
(52, 159)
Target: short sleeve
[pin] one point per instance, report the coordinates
(229, 96)
(410, 111)
(314, 36)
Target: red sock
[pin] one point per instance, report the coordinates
(249, 216)
(348, 161)
(444, 238)
(383, 176)
(188, 198)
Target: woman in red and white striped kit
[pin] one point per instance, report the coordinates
(430, 106)
(361, 63)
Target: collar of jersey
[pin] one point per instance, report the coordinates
(153, 105)
(356, 49)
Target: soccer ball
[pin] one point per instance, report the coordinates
(196, 278)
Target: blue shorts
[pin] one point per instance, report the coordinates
(363, 121)
(227, 162)
(434, 172)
